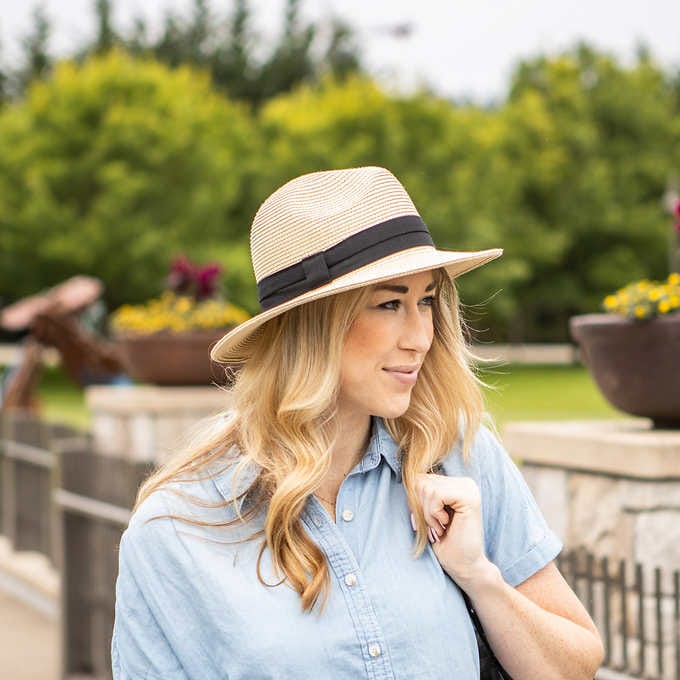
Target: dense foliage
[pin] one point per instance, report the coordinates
(112, 166)
(108, 169)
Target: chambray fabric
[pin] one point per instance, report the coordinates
(189, 603)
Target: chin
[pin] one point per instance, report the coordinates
(393, 410)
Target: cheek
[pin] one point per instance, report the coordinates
(367, 342)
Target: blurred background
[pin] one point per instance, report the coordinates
(137, 140)
(131, 131)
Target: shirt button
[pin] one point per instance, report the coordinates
(347, 515)
(374, 650)
(350, 580)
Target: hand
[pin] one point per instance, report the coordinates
(451, 508)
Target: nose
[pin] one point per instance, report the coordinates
(417, 331)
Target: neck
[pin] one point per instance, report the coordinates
(353, 435)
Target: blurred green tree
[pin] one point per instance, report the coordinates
(592, 144)
(4, 78)
(231, 50)
(35, 60)
(106, 37)
(111, 167)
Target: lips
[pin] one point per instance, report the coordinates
(407, 375)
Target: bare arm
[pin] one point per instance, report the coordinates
(538, 630)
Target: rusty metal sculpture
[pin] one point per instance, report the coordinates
(51, 317)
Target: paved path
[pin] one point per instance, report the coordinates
(29, 642)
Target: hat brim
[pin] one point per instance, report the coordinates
(232, 348)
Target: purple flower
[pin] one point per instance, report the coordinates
(188, 278)
(206, 280)
(181, 278)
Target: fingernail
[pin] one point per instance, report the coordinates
(436, 535)
(443, 526)
(431, 534)
(413, 522)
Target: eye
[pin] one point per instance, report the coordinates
(392, 305)
(428, 301)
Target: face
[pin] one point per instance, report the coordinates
(385, 347)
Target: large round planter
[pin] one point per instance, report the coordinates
(636, 364)
(167, 358)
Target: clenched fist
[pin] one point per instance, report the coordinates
(451, 508)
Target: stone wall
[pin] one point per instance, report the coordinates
(147, 424)
(613, 489)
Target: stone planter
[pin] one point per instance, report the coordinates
(167, 358)
(636, 364)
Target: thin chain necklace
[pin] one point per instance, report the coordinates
(320, 497)
(327, 500)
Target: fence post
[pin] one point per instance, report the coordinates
(94, 498)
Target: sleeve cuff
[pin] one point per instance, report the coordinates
(540, 555)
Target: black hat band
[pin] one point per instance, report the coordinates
(362, 248)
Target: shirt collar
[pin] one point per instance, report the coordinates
(381, 445)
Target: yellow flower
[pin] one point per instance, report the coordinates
(611, 301)
(664, 306)
(639, 311)
(177, 314)
(674, 279)
(183, 305)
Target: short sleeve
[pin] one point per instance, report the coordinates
(139, 648)
(516, 536)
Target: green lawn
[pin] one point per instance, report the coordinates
(61, 400)
(519, 393)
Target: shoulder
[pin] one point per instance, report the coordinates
(486, 456)
(199, 503)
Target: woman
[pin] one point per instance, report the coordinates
(330, 522)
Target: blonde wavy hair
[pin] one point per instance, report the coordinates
(283, 418)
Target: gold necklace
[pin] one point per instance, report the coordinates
(320, 497)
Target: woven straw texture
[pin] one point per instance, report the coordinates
(314, 212)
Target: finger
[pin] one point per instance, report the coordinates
(432, 535)
(441, 518)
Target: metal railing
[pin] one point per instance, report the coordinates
(636, 609)
(61, 499)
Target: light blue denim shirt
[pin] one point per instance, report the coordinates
(189, 603)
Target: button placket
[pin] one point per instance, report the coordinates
(335, 538)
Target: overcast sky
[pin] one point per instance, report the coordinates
(462, 48)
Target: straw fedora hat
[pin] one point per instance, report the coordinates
(328, 232)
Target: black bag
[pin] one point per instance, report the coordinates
(489, 666)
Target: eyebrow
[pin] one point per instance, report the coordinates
(404, 289)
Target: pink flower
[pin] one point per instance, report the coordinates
(188, 278)
(206, 280)
(181, 278)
